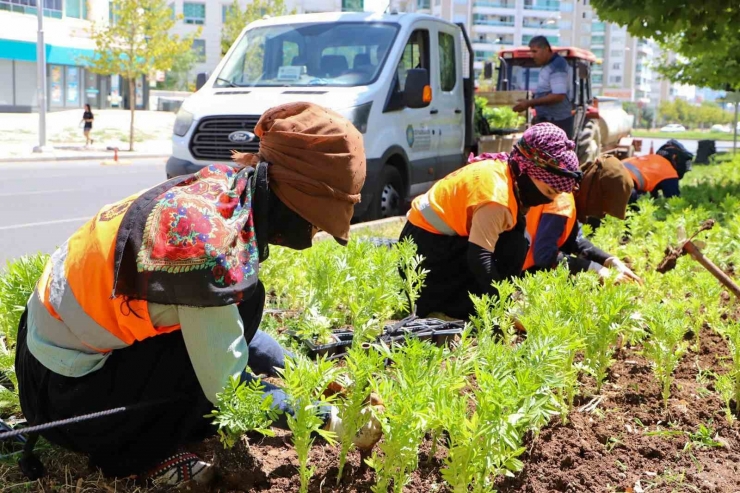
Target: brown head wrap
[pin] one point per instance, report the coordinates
(605, 189)
(317, 163)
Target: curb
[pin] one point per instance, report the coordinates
(371, 225)
(89, 157)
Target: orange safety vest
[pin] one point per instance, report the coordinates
(448, 207)
(77, 284)
(563, 205)
(647, 171)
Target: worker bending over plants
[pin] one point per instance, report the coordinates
(155, 302)
(659, 172)
(555, 228)
(470, 226)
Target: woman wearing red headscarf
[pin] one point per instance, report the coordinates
(470, 226)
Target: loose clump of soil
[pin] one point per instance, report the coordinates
(613, 448)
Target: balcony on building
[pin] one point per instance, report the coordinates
(545, 5)
(597, 41)
(540, 23)
(423, 6)
(598, 27)
(494, 20)
(495, 4)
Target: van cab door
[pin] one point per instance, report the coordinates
(418, 125)
(448, 100)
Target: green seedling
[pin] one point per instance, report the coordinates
(361, 367)
(407, 391)
(413, 274)
(666, 345)
(242, 408)
(305, 383)
(729, 384)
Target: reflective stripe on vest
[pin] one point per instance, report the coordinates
(62, 299)
(636, 175)
(448, 207)
(564, 205)
(425, 208)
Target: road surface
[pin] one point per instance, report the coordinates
(690, 145)
(42, 204)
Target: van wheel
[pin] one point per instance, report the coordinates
(389, 196)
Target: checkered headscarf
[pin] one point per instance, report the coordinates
(546, 153)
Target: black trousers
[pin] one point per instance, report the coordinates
(154, 375)
(450, 281)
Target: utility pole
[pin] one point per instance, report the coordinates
(41, 77)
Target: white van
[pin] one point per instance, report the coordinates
(404, 80)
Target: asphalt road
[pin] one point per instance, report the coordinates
(42, 204)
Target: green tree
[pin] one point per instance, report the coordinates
(237, 19)
(668, 112)
(137, 43)
(703, 34)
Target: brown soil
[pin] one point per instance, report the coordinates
(611, 449)
(605, 450)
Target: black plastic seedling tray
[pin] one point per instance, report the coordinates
(434, 330)
(343, 340)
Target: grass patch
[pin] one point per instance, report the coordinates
(688, 135)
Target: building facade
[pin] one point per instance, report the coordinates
(70, 85)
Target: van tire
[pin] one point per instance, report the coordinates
(389, 196)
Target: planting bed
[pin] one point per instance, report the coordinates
(612, 388)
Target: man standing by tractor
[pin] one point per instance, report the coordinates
(550, 101)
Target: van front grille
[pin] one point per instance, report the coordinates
(210, 140)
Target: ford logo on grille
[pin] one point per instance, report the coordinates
(241, 136)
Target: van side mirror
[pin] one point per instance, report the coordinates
(200, 80)
(417, 93)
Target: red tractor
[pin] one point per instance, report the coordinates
(602, 126)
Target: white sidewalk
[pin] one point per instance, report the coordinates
(19, 135)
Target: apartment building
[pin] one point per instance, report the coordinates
(494, 24)
(210, 15)
(69, 83)
(66, 25)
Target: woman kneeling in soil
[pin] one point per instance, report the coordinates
(155, 303)
(555, 230)
(470, 226)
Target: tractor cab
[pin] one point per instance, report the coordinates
(518, 72)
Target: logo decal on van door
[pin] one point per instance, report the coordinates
(410, 135)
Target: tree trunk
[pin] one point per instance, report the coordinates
(132, 105)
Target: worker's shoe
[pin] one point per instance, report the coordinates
(180, 468)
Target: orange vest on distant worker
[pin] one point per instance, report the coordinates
(647, 171)
(76, 287)
(563, 205)
(448, 207)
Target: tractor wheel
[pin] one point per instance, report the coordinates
(589, 142)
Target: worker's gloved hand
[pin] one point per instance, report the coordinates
(625, 273)
(370, 433)
(602, 271)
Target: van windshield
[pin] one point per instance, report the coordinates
(322, 54)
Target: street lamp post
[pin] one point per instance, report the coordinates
(41, 77)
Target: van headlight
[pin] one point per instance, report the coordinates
(358, 115)
(183, 121)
